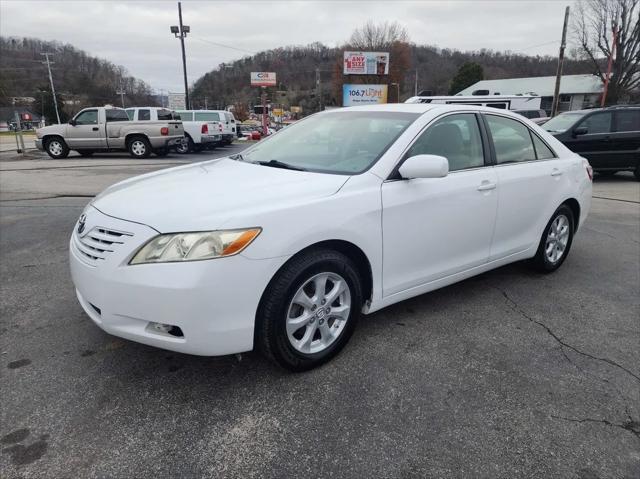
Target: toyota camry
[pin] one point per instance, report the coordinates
(284, 246)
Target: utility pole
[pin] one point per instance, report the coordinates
(121, 92)
(53, 91)
(319, 89)
(613, 52)
(181, 32)
(265, 125)
(563, 44)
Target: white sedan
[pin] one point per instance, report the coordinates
(282, 247)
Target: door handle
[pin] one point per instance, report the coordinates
(95, 128)
(486, 186)
(556, 172)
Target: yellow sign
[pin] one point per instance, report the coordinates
(277, 111)
(296, 109)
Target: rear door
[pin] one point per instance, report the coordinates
(528, 172)
(86, 134)
(625, 139)
(595, 144)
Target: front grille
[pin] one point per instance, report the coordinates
(98, 243)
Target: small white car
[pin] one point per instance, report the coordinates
(283, 246)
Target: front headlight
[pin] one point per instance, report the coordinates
(194, 246)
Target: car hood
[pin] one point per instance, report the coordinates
(211, 194)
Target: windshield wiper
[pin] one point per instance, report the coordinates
(280, 164)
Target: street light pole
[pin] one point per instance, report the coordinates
(181, 32)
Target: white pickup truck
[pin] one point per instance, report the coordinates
(110, 129)
(199, 133)
(225, 118)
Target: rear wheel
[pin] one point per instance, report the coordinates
(185, 146)
(56, 148)
(310, 310)
(139, 147)
(556, 241)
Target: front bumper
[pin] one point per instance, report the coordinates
(213, 302)
(39, 144)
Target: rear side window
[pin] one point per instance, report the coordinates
(207, 116)
(628, 120)
(543, 152)
(117, 115)
(511, 140)
(456, 137)
(144, 115)
(165, 115)
(185, 115)
(598, 123)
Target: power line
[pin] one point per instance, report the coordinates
(225, 46)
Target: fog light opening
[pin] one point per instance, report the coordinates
(169, 329)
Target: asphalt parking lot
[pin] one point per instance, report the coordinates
(508, 374)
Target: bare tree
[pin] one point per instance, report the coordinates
(592, 29)
(376, 36)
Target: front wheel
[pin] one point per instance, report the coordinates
(309, 310)
(139, 147)
(56, 148)
(556, 241)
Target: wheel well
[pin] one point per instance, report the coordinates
(130, 137)
(575, 209)
(50, 137)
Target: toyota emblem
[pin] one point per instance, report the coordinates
(81, 222)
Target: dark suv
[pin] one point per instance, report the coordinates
(608, 137)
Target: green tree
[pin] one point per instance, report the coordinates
(468, 74)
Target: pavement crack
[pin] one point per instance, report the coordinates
(632, 426)
(560, 341)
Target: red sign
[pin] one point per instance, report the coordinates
(26, 117)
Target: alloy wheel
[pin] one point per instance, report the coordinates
(557, 239)
(55, 147)
(318, 313)
(138, 148)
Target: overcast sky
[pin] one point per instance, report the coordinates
(136, 34)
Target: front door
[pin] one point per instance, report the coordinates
(85, 134)
(436, 227)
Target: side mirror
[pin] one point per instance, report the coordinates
(424, 166)
(72, 122)
(581, 130)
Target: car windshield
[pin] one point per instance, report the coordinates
(562, 122)
(339, 142)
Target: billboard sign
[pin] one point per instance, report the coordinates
(263, 79)
(353, 95)
(176, 101)
(366, 63)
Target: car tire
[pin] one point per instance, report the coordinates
(331, 316)
(56, 148)
(139, 147)
(556, 241)
(185, 146)
(85, 153)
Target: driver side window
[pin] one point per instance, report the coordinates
(456, 137)
(597, 123)
(87, 117)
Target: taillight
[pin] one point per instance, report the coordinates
(164, 131)
(589, 169)
(205, 129)
(220, 127)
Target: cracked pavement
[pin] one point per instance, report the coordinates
(508, 374)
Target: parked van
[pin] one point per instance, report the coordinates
(226, 119)
(502, 102)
